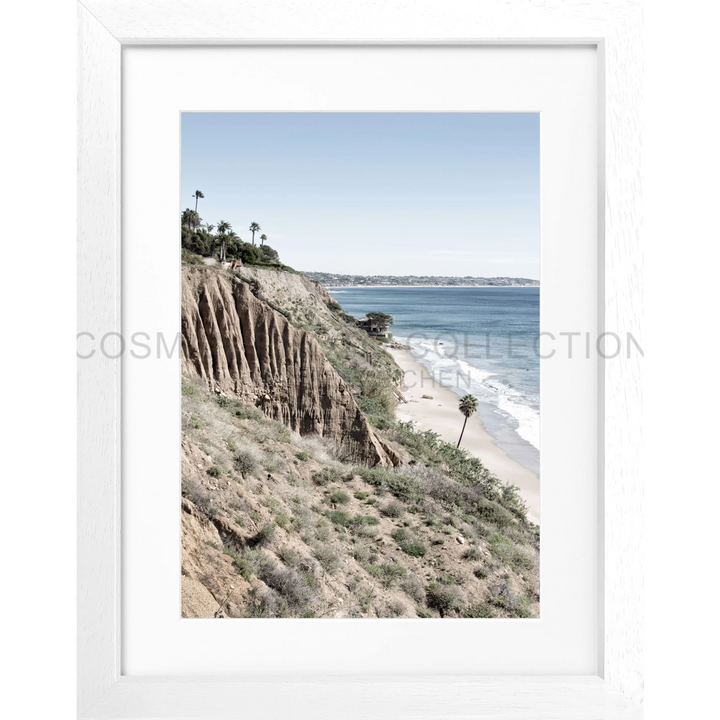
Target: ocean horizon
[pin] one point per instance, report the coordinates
(478, 340)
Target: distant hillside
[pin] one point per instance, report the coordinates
(337, 280)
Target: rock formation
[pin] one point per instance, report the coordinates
(240, 346)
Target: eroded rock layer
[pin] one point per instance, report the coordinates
(241, 346)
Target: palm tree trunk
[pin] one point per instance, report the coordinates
(196, 199)
(462, 431)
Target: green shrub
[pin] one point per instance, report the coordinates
(265, 535)
(408, 543)
(380, 423)
(522, 608)
(502, 596)
(247, 413)
(327, 557)
(480, 572)
(462, 467)
(283, 521)
(424, 612)
(390, 572)
(240, 563)
(288, 556)
(337, 497)
(392, 609)
(403, 487)
(360, 495)
(365, 596)
(326, 476)
(479, 610)
(412, 586)
(393, 509)
(495, 513)
(215, 471)
(303, 456)
(472, 553)
(189, 258)
(364, 531)
(188, 388)
(361, 553)
(448, 578)
(444, 598)
(245, 462)
(338, 517)
(295, 588)
(508, 552)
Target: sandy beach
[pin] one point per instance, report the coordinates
(440, 414)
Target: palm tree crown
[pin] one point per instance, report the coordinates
(468, 405)
(224, 227)
(263, 238)
(254, 227)
(190, 218)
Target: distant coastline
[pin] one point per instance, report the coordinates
(339, 280)
(332, 286)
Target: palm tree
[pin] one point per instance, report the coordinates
(232, 236)
(468, 405)
(263, 238)
(190, 218)
(224, 227)
(254, 227)
(197, 196)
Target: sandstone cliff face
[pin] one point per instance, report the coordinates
(239, 345)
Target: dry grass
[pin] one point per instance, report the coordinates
(306, 534)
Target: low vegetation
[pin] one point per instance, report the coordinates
(318, 537)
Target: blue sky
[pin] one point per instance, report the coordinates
(374, 193)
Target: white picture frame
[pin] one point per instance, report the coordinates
(104, 26)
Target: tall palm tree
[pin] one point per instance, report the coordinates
(254, 227)
(197, 196)
(468, 405)
(263, 238)
(223, 228)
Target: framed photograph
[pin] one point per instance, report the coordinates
(359, 353)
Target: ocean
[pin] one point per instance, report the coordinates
(477, 340)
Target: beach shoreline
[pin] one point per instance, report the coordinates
(438, 411)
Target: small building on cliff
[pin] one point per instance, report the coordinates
(373, 327)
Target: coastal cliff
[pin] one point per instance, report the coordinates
(302, 495)
(242, 347)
